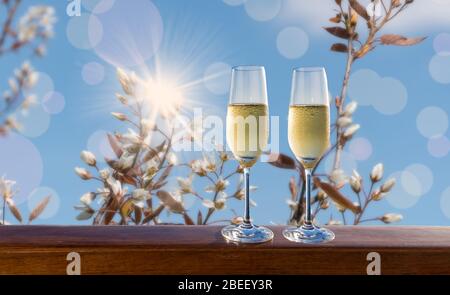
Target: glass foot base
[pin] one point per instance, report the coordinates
(308, 234)
(247, 234)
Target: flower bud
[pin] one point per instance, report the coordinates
(344, 122)
(350, 131)
(377, 195)
(388, 185)
(119, 116)
(350, 108)
(377, 172)
(391, 217)
(88, 158)
(83, 173)
(355, 183)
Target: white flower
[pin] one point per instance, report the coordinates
(87, 198)
(350, 108)
(115, 186)
(221, 185)
(104, 174)
(6, 187)
(185, 184)
(125, 162)
(88, 158)
(83, 173)
(377, 172)
(338, 176)
(172, 158)
(208, 203)
(388, 185)
(350, 131)
(141, 194)
(220, 204)
(131, 136)
(344, 122)
(391, 217)
(198, 167)
(292, 204)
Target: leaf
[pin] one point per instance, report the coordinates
(12, 207)
(159, 185)
(398, 40)
(39, 209)
(169, 201)
(115, 145)
(338, 32)
(110, 211)
(339, 47)
(187, 219)
(336, 195)
(199, 217)
(361, 10)
(336, 19)
(282, 161)
(126, 179)
(293, 188)
(85, 215)
(164, 175)
(137, 214)
(150, 155)
(126, 208)
(153, 214)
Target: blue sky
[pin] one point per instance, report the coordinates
(412, 84)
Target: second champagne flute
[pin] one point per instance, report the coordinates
(247, 135)
(309, 138)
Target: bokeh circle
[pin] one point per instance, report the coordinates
(292, 42)
(84, 31)
(360, 148)
(21, 161)
(439, 68)
(432, 121)
(93, 73)
(445, 202)
(438, 146)
(98, 6)
(53, 102)
(37, 195)
(262, 10)
(131, 33)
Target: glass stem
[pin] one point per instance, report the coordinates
(247, 221)
(308, 217)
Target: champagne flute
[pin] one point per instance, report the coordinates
(309, 138)
(247, 135)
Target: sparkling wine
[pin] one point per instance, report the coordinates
(309, 132)
(247, 131)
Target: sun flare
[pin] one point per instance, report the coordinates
(165, 96)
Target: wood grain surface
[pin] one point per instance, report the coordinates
(201, 250)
